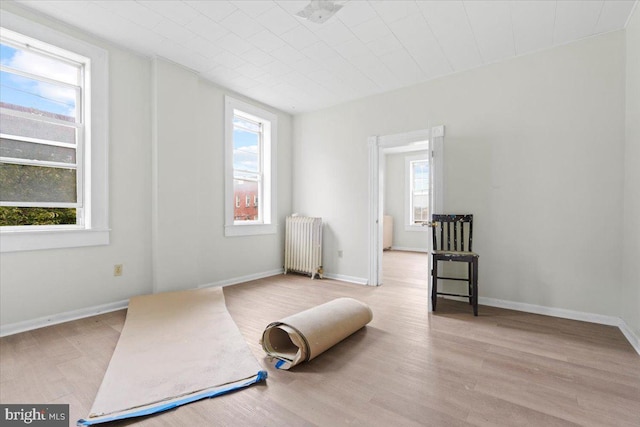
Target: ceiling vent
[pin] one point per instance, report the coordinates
(319, 11)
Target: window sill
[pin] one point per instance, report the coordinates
(249, 229)
(31, 240)
(422, 228)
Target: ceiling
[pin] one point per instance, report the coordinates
(262, 50)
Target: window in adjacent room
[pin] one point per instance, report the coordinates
(250, 153)
(417, 192)
(48, 182)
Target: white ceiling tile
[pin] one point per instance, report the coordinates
(277, 68)
(403, 66)
(384, 45)
(266, 41)
(448, 21)
(533, 22)
(306, 65)
(392, 10)
(292, 6)
(287, 54)
(277, 21)
(491, 25)
(254, 8)
(429, 65)
(614, 15)
(204, 47)
(334, 32)
(417, 38)
(171, 9)
(371, 30)
(257, 57)
(355, 12)
(575, 19)
(241, 24)
(319, 51)
(351, 49)
(173, 31)
(132, 11)
(214, 10)
(228, 59)
(299, 37)
(235, 44)
(321, 75)
(250, 70)
(208, 29)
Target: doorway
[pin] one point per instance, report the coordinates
(430, 140)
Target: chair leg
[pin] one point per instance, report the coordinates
(434, 284)
(475, 286)
(470, 276)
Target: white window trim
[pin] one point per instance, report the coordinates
(95, 231)
(408, 225)
(268, 225)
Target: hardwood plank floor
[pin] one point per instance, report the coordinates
(406, 368)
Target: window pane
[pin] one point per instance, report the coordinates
(246, 153)
(42, 65)
(34, 128)
(20, 183)
(38, 97)
(239, 122)
(33, 151)
(420, 207)
(243, 190)
(12, 216)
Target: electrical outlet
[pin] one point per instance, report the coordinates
(117, 270)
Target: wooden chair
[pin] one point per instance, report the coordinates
(452, 241)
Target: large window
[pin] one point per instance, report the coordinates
(250, 153)
(53, 161)
(41, 134)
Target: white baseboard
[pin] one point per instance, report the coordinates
(343, 278)
(405, 249)
(242, 279)
(41, 322)
(566, 314)
(633, 339)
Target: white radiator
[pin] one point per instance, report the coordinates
(303, 245)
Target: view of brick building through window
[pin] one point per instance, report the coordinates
(246, 197)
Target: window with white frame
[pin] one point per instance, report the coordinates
(49, 94)
(417, 192)
(250, 142)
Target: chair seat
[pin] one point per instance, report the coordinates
(455, 253)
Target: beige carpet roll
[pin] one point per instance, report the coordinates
(305, 335)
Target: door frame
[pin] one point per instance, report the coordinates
(377, 144)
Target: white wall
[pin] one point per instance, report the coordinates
(533, 148)
(166, 199)
(395, 190)
(631, 248)
(189, 247)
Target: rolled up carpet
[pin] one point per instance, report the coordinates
(305, 335)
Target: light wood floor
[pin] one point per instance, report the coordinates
(407, 368)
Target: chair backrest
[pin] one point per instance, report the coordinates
(452, 232)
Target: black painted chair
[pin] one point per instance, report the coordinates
(452, 242)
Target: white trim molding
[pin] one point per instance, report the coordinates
(55, 319)
(566, 314)
(242, 279)
(349, 279)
